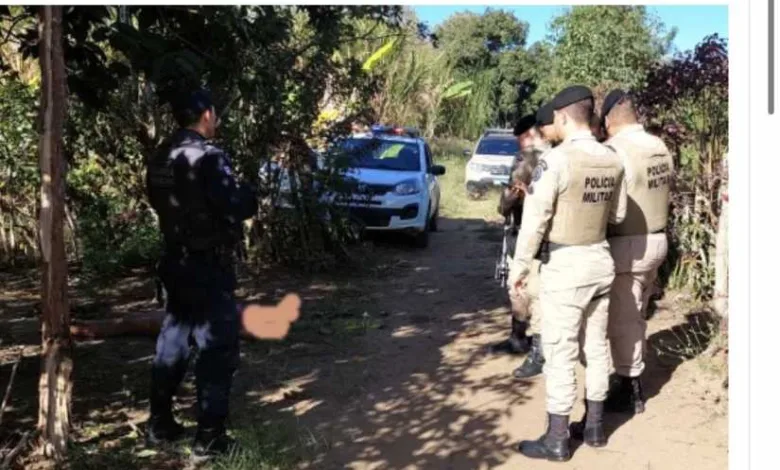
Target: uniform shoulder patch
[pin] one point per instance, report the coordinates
(537, 174)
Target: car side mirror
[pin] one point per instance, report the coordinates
(466, 152)
(438, 170)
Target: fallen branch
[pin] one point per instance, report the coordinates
(136, 324)
(18, 448)
(263, 322)
(7, 395)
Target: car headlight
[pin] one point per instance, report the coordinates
(405, 188)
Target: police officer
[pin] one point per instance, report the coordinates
(200, 207)
(511, 206)
(638, 244)
(576, 189)
(534, 362)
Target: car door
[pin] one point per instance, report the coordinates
(432, 180)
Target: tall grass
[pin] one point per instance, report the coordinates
(455, 202)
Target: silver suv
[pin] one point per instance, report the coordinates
(491, 161)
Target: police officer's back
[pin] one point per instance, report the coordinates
(200, 207)
(577, 189)
(639, 245)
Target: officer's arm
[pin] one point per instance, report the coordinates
(537, 212)
(235, 201)
(509, 197)
(617, 212)
(619, 202)
(508, 200)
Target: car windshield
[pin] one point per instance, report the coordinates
(495, 146)
(382, 154)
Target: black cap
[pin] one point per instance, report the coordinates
(545, 116)
(524, 124)
(571, 95)
(614, 97)
(188, 106)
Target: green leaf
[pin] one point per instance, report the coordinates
(368, 65)
(456, 89)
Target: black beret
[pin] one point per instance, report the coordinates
(525, 123)
(571, 95)
(614, 97)
(189, 105)
(545, 116)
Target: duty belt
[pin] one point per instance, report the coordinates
(546, 248)
(224, 255)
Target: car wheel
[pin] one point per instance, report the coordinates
(434, 223)
(475, 192)
(421, 239)
(355, 229)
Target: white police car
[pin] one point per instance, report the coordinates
(396, 180)
(491, 162)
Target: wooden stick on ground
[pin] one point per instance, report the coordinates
(257, 322)
(7, 395)
(18, 448)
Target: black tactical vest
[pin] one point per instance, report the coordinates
(175, 187)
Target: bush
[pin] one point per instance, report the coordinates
(114, 239)
(686, 101)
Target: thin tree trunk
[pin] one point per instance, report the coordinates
(55, 383)
(721, 295)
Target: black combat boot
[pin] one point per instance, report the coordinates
(534, 362)
(211, 442)
(553, 445)
(591, 428)
(625, 396)
(517, 343)
(162, 427)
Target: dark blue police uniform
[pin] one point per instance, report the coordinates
(200, 207)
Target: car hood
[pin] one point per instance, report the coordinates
(388, 177)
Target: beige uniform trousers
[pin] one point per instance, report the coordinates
(574, 300)
(637, 259)
(533, 315)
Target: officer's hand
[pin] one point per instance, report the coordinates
(274, 322)
(519, 285)
(518, 189)
(516, 282)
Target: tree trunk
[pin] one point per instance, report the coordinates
(721, 295)
(55, 384)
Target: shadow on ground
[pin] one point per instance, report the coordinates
(385, 369)
(405, 396)
(666, 351)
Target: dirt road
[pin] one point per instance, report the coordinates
(387, 369)
(420, 391)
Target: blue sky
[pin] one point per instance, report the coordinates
(693, 22)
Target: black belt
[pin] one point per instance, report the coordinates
(663, 230)
(554, 246)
